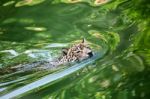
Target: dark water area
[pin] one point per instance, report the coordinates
(117, 31)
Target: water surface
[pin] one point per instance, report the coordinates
(118, 32)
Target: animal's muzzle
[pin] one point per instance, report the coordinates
(90, 54)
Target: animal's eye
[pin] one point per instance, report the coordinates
(88, 47)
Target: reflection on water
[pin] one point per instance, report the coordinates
(117, 31)
(51, 77)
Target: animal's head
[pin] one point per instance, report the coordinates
(79, 51)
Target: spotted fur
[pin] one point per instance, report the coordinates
(77, 52)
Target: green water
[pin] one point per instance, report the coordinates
(118, 31)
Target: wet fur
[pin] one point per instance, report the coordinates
(77, 52)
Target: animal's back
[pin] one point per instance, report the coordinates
(75, 53)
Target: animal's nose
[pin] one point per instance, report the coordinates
(90, 54)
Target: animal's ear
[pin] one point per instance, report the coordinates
(84, 41)
(64, 51)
